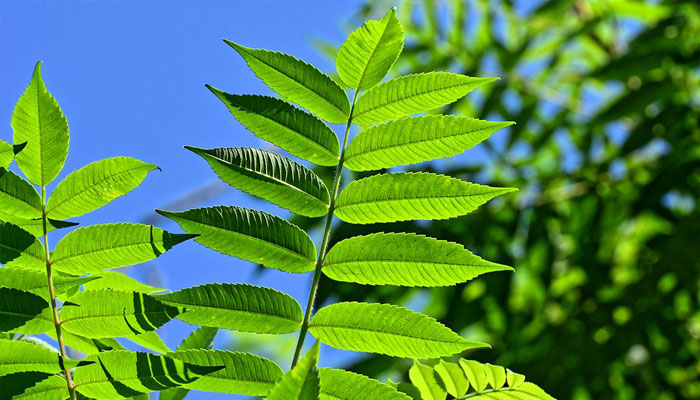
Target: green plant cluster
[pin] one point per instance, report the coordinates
(99, 305)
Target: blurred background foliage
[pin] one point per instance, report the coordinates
(605, 231)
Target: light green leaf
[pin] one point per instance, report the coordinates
(337, 384)
(243, 373)
(495, 375)
(514, 379)
(149, 340)
(97, 248)
(406, 388)
(239, 307)
(86, 345)
(18, 197)
(119, 281)
(298, 82)
(476, 374)
(252, 235)
(33, 385)
(20, 356)
(411, 94)
(453, 379)
(301, 383)
(119, 374)
(269, 176)
(7, 154)
(294, 130)
(404, 196)
(19, 248)
(386, 329)
(488, 382)
(95, 185)
(38, 120)
(370, 51)
(416, 139)
(404, 259)
(35, 226)
(111, 313)
(23, 312)
(201, 338)
(36, 282)
(423, 377)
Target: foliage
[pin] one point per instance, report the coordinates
(90, 318)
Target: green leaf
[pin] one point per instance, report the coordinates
(97, 248)
(301, 383)
(149, 340)
(38, 120)
(294, 130)
(453, 379)
(269, 176)
(119, 374)
(251, 235)
(109, 313)
(337, 384)
(417, 139)
(20, 249)
(95, 185)
(18, 197)
(404, 196)
(514, 379)
(36, 282)
(411, 94)
(488, 382)
(33, 386)
(7, 154)
(243, 373)
(239, 307)
(423, 377)
(35, 226)
(386, 329)
(86, 345)
(202, 338)
(495, 375)
(298, 82)
(119, 281)
(370, 51)
(475, 373)
(404, 259)
(406, 388)
(23, 312)
(19, 356)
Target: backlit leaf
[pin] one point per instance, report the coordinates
(7, 154)
(423, 377)
(453, 379)
(21, 249)
(23, 312)
(32, 385)
(301, 383)
(20, 356)
(201, 338)
(337, 384)
(119, 281)
(251, 235)
(18, 197)
(36, 282)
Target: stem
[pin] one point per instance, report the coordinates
(56, 321)
(324, 243)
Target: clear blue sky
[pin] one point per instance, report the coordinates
(130, 76)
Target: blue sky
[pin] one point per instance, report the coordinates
(130, 75)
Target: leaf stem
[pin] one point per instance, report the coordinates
(324, 242)
(54, 307)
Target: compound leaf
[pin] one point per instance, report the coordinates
(110, 313)
(298, 81)
(19, 248)
(488, 382)
(412, 94)
(423, 377)
(366, 56)
(404, 259)
(20, 356)
(300, 133)
(38, 121)
(242, 373)
(252, 235)
(119, 374)
(406, 196)
(416, 139)
(240, 307)
(97, 248)
(386, 329)
(301, 383)
(36, 282)
(23, 312)
(95, 185)
(18, 197)
(337, 384)
(269, 176)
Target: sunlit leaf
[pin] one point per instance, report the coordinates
(23, 312)
(301, 383)
(337, 384)
(33, 386)
(21, 249)
(20, 356)
(18, 197)
(119, 281)
(37, 283)
(423, 377)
